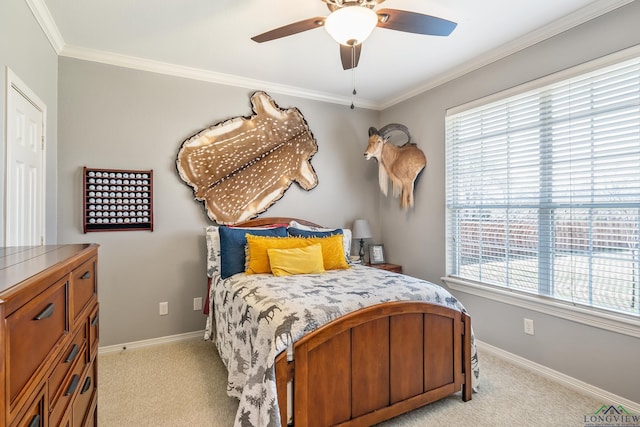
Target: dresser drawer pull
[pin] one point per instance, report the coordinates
(72, 354)
(86, 275)
(86, 386)
(73, 386)
(47, 312)
(35, 421)
(94, 322)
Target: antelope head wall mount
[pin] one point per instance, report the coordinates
(401, 164)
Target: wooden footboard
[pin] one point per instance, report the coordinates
(376, 363)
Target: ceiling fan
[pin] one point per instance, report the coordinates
(351, 22)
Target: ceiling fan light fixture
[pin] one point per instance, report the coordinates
(351, 25)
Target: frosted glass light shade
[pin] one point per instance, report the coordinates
(351, 25)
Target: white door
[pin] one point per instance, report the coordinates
(24, 190)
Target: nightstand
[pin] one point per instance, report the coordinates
(387, 266)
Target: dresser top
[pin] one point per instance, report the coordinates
(20, 263)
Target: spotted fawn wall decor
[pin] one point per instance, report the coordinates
(241, 166)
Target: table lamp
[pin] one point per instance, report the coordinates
(361, 230)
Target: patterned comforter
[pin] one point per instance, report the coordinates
(255, 317)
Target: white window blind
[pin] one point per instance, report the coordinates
(543, 191)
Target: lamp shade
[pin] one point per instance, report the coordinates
(351, 25)
(361, 229)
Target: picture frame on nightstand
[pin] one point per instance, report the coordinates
(376, 254)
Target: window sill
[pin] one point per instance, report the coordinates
(592, 317)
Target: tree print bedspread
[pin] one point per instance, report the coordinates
(255, 317)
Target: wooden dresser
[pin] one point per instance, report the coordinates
(49, 335)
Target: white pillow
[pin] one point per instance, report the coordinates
(213, 250)
(346, 234)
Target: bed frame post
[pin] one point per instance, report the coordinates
(284, 374)
(466, 358)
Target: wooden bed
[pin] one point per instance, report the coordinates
(375, 363)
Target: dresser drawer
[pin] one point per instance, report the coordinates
(84, 399)
(33, 333)
(94, 331)
(75, 350)
(70, 387)
(92, 418)
(83, 286)
(35, 415)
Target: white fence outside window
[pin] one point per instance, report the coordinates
(543, 190)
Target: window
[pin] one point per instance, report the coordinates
(543, 191)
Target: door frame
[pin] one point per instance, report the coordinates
(13, 82)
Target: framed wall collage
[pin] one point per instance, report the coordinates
(117, 200)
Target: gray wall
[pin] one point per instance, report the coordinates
(118, 118)
(26, 51)
(417, 239)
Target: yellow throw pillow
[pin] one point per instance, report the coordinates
(306, 260)
(332, 251)
(258, 258)
(257, 246)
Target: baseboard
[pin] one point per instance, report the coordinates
(565, 380)
(150, 342)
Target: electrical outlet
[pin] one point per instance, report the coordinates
(528, 326)
(164, 308)
(197, 304)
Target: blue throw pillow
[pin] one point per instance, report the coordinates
(232, 243)
(297, 232)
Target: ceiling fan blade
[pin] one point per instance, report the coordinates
(350, 56)
(412, 22)
(287, 30)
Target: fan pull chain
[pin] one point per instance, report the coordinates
(353, 73)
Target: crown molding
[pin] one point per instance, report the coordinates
(572, 20)
(45, 20)
(153, 66)
(48, 25)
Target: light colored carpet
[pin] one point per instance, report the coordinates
(183, 384)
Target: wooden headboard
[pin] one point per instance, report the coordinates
(261, 222)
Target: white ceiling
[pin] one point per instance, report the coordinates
(210, 40)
